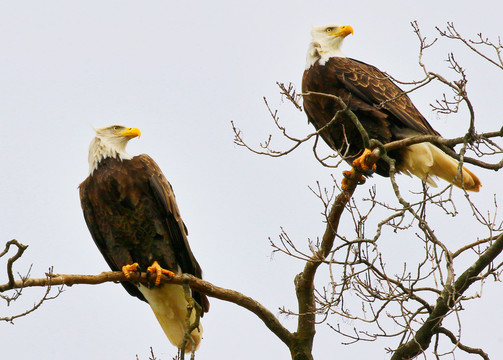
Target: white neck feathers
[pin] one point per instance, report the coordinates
(102, 148)
(317, 52)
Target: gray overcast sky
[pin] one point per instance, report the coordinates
(180, 71)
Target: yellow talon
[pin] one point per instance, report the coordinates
(158, 270)
(126, 269)
(348, 181)
(345, 184)
(360, 163)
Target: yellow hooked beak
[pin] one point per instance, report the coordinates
(343, 31)
(129, 132)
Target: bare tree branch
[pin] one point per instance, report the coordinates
(445, 303)
(195, 283)
(465, 348)
(20, 250)
(451, 33)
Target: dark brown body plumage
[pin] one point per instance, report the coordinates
(362, 87)
(131, 212)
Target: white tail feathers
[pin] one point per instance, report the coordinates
(170, 308)
(425, 161)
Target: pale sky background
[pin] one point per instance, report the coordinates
(181, 71)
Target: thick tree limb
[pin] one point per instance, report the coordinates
(445, 302)
(195, 283)
(304, 282)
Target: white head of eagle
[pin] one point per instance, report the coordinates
(326, 43)
(110, 141)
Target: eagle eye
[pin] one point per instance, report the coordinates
(329, 30)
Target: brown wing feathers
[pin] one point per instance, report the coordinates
(386, 113)
(132, 214)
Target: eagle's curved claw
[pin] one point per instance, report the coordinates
(158, 270)
(127, 269)
(347, 183)
(361, 163)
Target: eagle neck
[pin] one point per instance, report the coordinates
(318, 53)
(101, 149)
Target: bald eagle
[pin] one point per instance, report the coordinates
(385, 112)
(131, 212)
